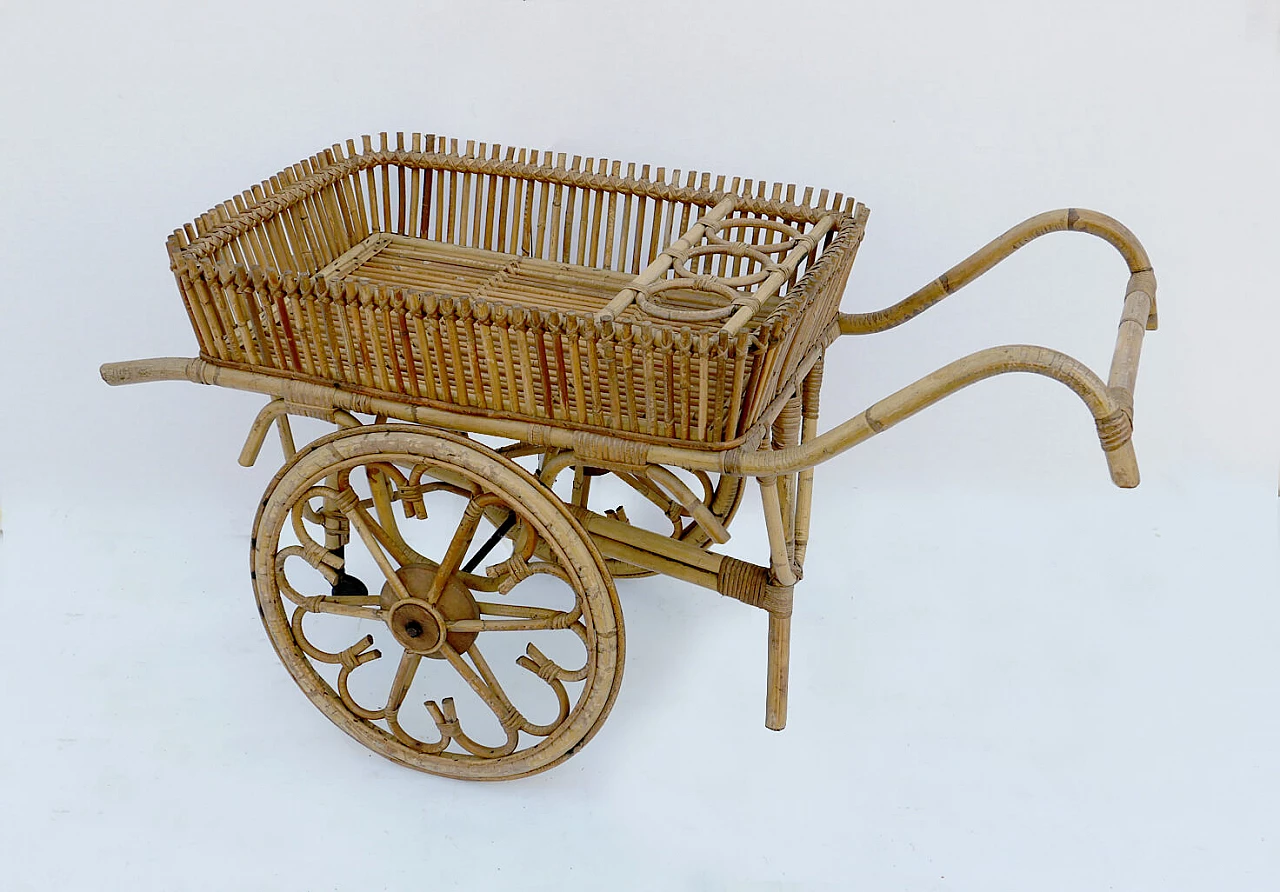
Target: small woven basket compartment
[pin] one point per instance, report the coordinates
(643, 303)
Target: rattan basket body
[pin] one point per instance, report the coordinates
(579, 293)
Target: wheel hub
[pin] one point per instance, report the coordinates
(419, 626)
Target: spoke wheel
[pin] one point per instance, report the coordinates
(486, 675)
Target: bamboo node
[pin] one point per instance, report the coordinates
(541, 435)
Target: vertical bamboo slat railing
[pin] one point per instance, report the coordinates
(319, 272)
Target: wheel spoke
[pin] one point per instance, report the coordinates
(493, 609)
(488, 690)
(554, 623)
(457, 550)
(486, 687)
(361, 607)
(405, 672)
(365, 527)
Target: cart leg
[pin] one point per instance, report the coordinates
(786, 433)
(804, 491)
(777, 601)
(775, 703)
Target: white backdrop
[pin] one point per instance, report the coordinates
(1031, 680)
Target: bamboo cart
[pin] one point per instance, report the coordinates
(506, 340)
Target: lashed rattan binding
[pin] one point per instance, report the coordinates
(648, 304)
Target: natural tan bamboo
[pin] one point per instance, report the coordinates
(982, 260)
(779, 556)
(615, 323)
(674, 253)
(676, 487)
(941, 383)
(778, 671)
(810, 393)
(642, 557)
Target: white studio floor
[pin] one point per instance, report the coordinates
(989, 699)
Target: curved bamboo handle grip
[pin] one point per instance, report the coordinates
(1115, 428)
(1063, 220)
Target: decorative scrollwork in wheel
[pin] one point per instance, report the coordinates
(482, 675)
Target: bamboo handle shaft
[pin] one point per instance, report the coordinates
(1138, 303)
(140, 371)
(1138, 300)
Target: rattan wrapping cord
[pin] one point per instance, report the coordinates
(604, 450)
(812, 387)
(749, 583)
(786, 427)
(1115, 430)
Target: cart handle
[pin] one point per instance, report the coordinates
(1111, 404)
(1111, 407)
(1062, 220)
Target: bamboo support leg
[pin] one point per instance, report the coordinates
(804, 488)
(786, 433)
(775, 702)
(779, 559)
(782, 578)
(804, 499)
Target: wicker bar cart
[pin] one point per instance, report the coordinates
(506, 340)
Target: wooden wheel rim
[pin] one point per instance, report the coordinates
(601, 612)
